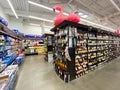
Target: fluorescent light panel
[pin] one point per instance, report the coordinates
(84, 16)
(96, 24)
(42, 19)
(40, 5)
(84, 20)
(112, 1)
(11, 6)
(80, 14)
(33, 24)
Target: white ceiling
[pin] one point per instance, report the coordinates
(99, 11)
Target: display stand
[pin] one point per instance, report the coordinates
(80, 49)
(49, 42)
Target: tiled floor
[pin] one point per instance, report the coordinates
(36, 74)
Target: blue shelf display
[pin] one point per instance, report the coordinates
(19, 59)
(16, 31)
(33, 36)
(33, 44)
(3, 21)
(10, 45)
(8, 59)
(4, 30)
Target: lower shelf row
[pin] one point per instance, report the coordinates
(81, 67)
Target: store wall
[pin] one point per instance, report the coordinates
(47, 30)
(16, 23)
(29, 29)
(26, 28)
(37, 30)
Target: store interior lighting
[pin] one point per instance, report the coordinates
(40, 5)
(12, 8)
(64, 13)
(80, 14)
(42, 19)
(84, 16)
(118, 8)
(33, 24)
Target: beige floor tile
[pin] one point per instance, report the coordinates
(36, 74)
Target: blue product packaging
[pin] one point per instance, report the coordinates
(1, 19)
(6, 37)
(16, 31)
(1, 55)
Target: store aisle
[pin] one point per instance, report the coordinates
(36, 74)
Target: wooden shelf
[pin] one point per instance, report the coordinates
(92, 51)
(84, 51)
(91, 57)
(92, 38)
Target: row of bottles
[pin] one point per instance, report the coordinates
(59, 52)
(81, 54)
(60, 64)
(92, 50)
(8, 45)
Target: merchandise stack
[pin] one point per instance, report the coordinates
(19, 59)
(8, 77)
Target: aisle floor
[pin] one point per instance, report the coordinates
(36, 74)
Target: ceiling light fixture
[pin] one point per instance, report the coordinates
(92, 23)
(84, 20)
(112, 1)
(33, 24)
(11, 6)
(40, 5)
(42, 19)
(80, 14)
(84, 16)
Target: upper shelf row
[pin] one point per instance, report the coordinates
(6, 31)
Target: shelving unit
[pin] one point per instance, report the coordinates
(33, 44)
(10, 47)
(80, 49)
(48, 45)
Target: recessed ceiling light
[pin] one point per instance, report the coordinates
(11, 6)
(84, 16)
(80, 13)
(117, 7)
(42, 19)
(40, 5)
(33, 24)
(45, 7)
